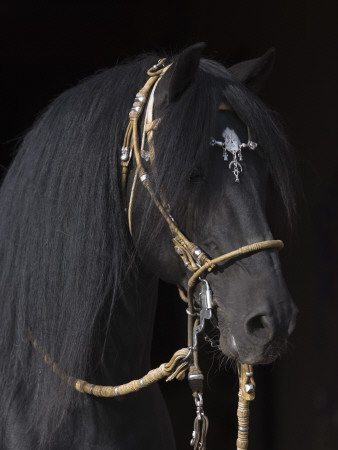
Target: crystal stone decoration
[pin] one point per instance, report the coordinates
(233, 146)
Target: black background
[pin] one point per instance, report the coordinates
(48, 46)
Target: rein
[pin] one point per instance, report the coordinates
(197, 262)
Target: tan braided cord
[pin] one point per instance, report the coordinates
(243, 413)
(175, 368)
(246, 394)
(262, 245)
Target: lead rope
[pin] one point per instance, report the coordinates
(197, 262)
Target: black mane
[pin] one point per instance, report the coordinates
(64, 240)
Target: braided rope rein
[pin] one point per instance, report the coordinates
(175, 368)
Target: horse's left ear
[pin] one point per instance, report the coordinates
(179, 75)
(254, 72)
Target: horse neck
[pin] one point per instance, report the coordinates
(127, 350)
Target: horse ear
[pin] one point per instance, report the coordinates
(254, 72)
(180, 74)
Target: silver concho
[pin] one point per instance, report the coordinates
(233, 145)
(145, 154)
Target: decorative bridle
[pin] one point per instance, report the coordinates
(195, 260)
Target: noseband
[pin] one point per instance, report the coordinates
(196, 261)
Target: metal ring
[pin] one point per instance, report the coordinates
(91, 389)
(198, 376)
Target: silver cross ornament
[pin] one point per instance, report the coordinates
(233, 145)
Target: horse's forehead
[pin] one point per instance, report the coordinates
(229, 125)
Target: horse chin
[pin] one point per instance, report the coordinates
(254, 355)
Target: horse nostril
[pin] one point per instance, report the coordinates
(260, 327)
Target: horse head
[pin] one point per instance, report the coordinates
(218, 198)
(71, 284)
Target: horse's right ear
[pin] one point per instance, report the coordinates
(179, 75)
(254, 72)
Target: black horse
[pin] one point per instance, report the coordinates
(73, 276)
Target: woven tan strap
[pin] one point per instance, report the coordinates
(175, 368)
(246, 394)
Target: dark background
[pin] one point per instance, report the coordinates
(48, 46)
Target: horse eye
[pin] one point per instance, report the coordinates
(196, 176)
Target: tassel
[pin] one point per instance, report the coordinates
(199, 435)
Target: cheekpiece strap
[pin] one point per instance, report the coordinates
(191, 255)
